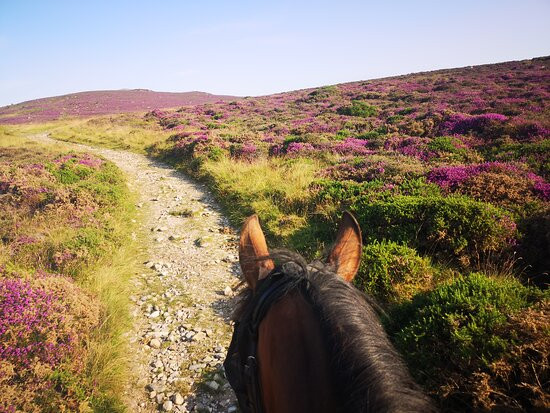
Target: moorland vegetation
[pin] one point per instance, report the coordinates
(447, 173)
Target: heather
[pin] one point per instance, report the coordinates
(391, 271)
(63, 220)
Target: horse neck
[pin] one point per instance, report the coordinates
(293, 360)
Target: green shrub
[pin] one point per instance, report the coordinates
(535, 154)
(458, 326)
(454, 226)
(320, 94)
(406, 111)
(444, 144)
(358, 108)
(392, 272)
(394, 119)
(69, 172)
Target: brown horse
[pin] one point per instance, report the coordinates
(306, 340)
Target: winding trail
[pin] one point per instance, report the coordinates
(183, 297)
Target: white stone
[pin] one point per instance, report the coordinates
(178, 399)
(199, 336)
(213, 385)
(154, 343)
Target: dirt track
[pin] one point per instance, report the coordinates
(184, 294)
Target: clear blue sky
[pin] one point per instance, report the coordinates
(252, 47)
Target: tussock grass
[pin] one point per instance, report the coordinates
(108, 364)
(124, 131)
(129, 132)
(277, 190)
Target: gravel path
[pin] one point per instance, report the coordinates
(183, 297)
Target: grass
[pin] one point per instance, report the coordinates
(277, 190)
(109, 352)
(124, 131)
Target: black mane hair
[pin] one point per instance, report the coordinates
(368, 373)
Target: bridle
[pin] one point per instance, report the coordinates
(241, 363)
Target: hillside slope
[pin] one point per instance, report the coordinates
(101, 102)
(447, 174)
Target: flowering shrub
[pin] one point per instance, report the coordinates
(352, 146)
(482, 124)
(29, 315)
(247, 151)
(410, 146)
(44, 325)
(493, 181)
(362, 171)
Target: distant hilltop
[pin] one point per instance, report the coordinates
(102, 102)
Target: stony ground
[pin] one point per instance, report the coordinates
(184, 295)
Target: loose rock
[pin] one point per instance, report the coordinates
(154, 343)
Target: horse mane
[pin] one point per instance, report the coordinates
(368, 373)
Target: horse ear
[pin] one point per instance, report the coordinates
(252, 248)
(346, 252)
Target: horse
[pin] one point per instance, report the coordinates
(306, 340)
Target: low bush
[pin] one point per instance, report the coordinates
(45, 326)
(392, 272)
(535, 154)
(459, 330)
(454, 226)
(358, 108)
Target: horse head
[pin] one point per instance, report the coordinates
(306, 340)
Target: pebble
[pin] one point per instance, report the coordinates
(199, 336)
(178, 399)
(154, 343)
(227, 291)
(167, 406)
(213, 385)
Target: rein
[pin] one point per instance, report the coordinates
(241, 364)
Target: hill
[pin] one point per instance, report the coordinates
(102, 102)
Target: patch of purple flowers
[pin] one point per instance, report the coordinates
(450, 177)
(461, 123)
(246, 151)
(297, 148)
(27, 317)
(352, 146)
(540, 186)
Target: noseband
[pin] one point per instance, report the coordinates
(241, 363)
